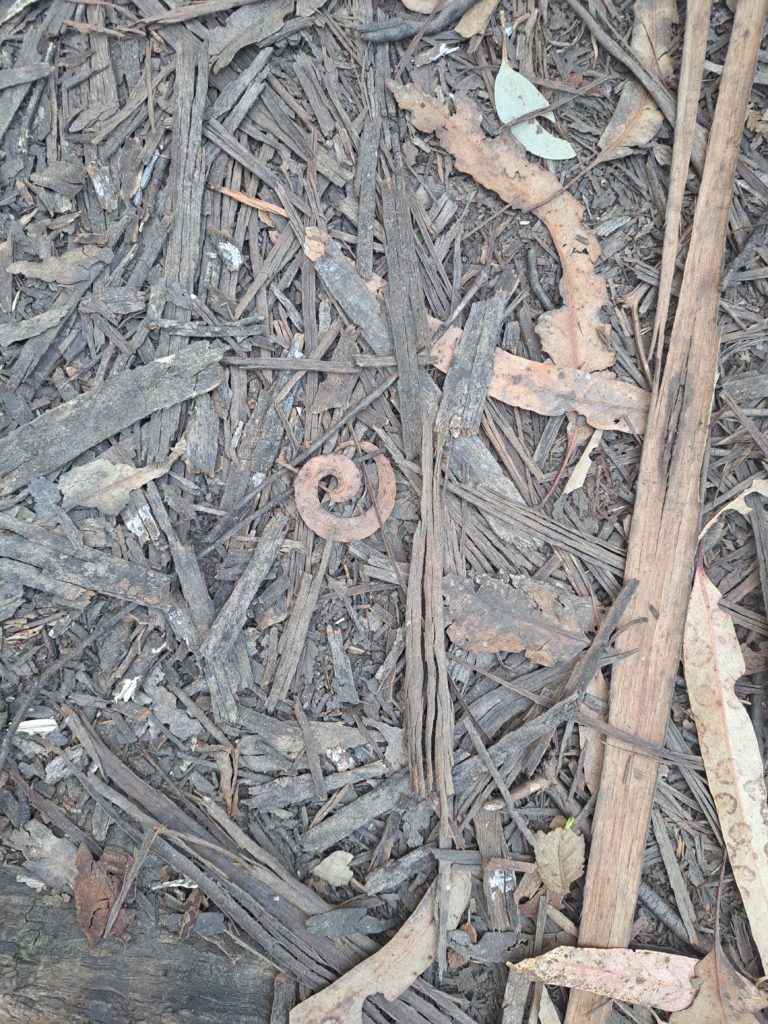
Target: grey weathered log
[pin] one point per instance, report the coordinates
(48, 974)
(87, 570)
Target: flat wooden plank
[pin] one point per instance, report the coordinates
(665, 525)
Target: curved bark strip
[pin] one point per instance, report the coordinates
(324, 523)
(573, 335)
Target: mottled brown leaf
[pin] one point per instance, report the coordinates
(713, 662)
(636, 976)
(723, 997)
(572, 335)
(603, 401)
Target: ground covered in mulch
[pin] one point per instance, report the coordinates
(225, 246)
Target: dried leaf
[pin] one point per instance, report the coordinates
(334, 869)
(559, 858)
(515, 96)
(605, 403)
(73, 266)
(637, 119)
(420, 6)
(758, 485)
(713, 662)
(636, 976)
(475, 21)
(724, 996)
(572, 335)
(581, 469)
(394, 967)
(190, 912)
(546, 624)
(97, 886)
(107, 485)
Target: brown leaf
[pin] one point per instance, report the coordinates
(713, 662)
(394, 967)
(605, 403)
(97, 885)
(475, 21)
(546, 624)
(724, 996)
(572, 335)
(637, 119)
(559, 858)
(636, 976)
(107, 485)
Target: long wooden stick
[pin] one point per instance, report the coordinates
(691, 70)
(664, 527)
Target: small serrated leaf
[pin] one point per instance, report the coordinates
(559, 858)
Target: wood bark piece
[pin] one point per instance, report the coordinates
(471, 368)
(357, 814)
(226, 627)
(395, 967)
(63, 433)
(187, 181)
(405, 306)
(664, 526)
(88, 569)
(233, 667)
(295, 632)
